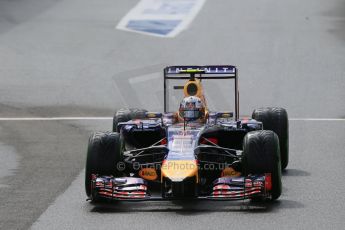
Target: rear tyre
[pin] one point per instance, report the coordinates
(261, 155)
(276, 119)
(124, 115)
(103, 153)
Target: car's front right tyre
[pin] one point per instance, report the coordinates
(104, 152)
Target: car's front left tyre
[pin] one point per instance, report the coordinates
(261, 155)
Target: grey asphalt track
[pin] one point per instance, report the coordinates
(65, 58)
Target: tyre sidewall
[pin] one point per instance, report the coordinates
(276, 119)
(103, 154)
(261, 155)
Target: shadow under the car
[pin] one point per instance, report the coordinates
(193, 208)
(295, 172)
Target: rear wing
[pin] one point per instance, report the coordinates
(209, 72)
(202, 72)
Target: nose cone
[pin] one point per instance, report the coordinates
(178, 170)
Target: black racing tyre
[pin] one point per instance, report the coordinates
(103, 153)
(124, 115)
(261, 155)
(276, 119)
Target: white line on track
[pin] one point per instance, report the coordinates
(110, 118)
(317, 119)
(52, 118)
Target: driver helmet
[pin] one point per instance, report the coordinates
(192, 108)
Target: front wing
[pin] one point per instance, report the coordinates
(224, 188)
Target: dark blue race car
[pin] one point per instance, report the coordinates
(190, 153)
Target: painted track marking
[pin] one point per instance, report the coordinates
(162, 18)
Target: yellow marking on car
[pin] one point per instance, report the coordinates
(226, 115)
(151, 115)
(192, 71)
(230, 172)
(179, 169)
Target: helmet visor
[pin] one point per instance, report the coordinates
(191, 114)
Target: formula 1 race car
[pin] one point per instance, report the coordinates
(192, 153)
